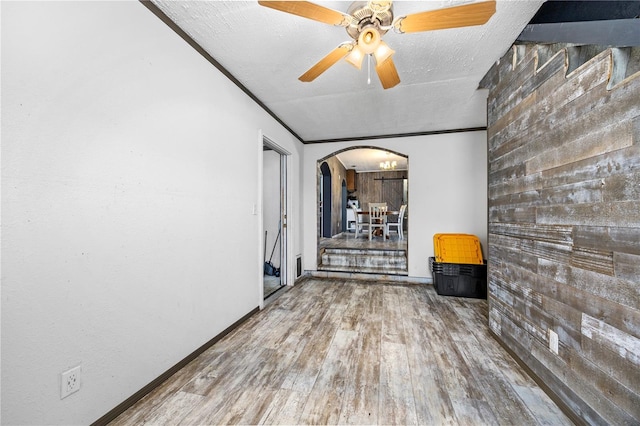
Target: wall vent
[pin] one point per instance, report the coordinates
(298, 266)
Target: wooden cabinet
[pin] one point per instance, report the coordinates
(351, 180)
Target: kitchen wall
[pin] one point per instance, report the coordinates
(375, 187)
(131, 235)
(564, 223)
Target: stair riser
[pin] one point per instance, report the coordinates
(354, 252)
(368, 261)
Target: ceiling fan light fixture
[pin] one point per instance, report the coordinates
(367, 21)
(369, 40)
(383, 52)
(355, 57)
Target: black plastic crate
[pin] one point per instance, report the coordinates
(458, 279)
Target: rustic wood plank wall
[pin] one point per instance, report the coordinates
(372, 189)
(564, 225)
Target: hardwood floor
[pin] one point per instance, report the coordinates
(353, 352)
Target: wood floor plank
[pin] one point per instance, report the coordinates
(173, 409)
(544, 410)
(332, 351)
(361, 397)
(210, 408)
(433, 404)
(304, 371)
(285, 409)
(250, 407)
(496, 389)
(325, 400)
(392, 329)
(397, 404)
(473, 412)
(356, 310)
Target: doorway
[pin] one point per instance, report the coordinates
(373, 174)
(274, 217)
(325, 200)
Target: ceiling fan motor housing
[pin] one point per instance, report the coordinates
(366, 14)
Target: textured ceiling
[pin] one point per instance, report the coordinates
(266, 51)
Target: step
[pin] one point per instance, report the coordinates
(364, 260)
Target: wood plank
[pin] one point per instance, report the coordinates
(433, 404)
(325, 399)
(622, 187)
(392, 328)
(285, 409)
(625, 345)
(625, 214)
(249, 408)
(617, 135)
(558, 234)
(619, 368)
(173, 409)
(515, 185)
(605, 166)
(600, 261)
(361, 395)
(397, 404)
(627, 267)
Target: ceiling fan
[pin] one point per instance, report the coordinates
(367, 21)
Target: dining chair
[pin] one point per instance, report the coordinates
(359, 224)
(399, 223)
(378, 219)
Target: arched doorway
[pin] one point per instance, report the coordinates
(325, 200)
(373, 175)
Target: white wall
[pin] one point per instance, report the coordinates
(447, 190)
(128, 234)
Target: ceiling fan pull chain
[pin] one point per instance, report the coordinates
(368, 69)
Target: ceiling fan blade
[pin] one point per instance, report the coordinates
(334, 56)
(451, 17)
(309, 10)
(387, 73)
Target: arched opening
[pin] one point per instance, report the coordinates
(325, 201)
(357, 177)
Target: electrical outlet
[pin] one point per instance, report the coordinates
(70, 382)
(553, 341)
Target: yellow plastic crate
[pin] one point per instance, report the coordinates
(457, 248)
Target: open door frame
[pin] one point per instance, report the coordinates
(285, 256)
